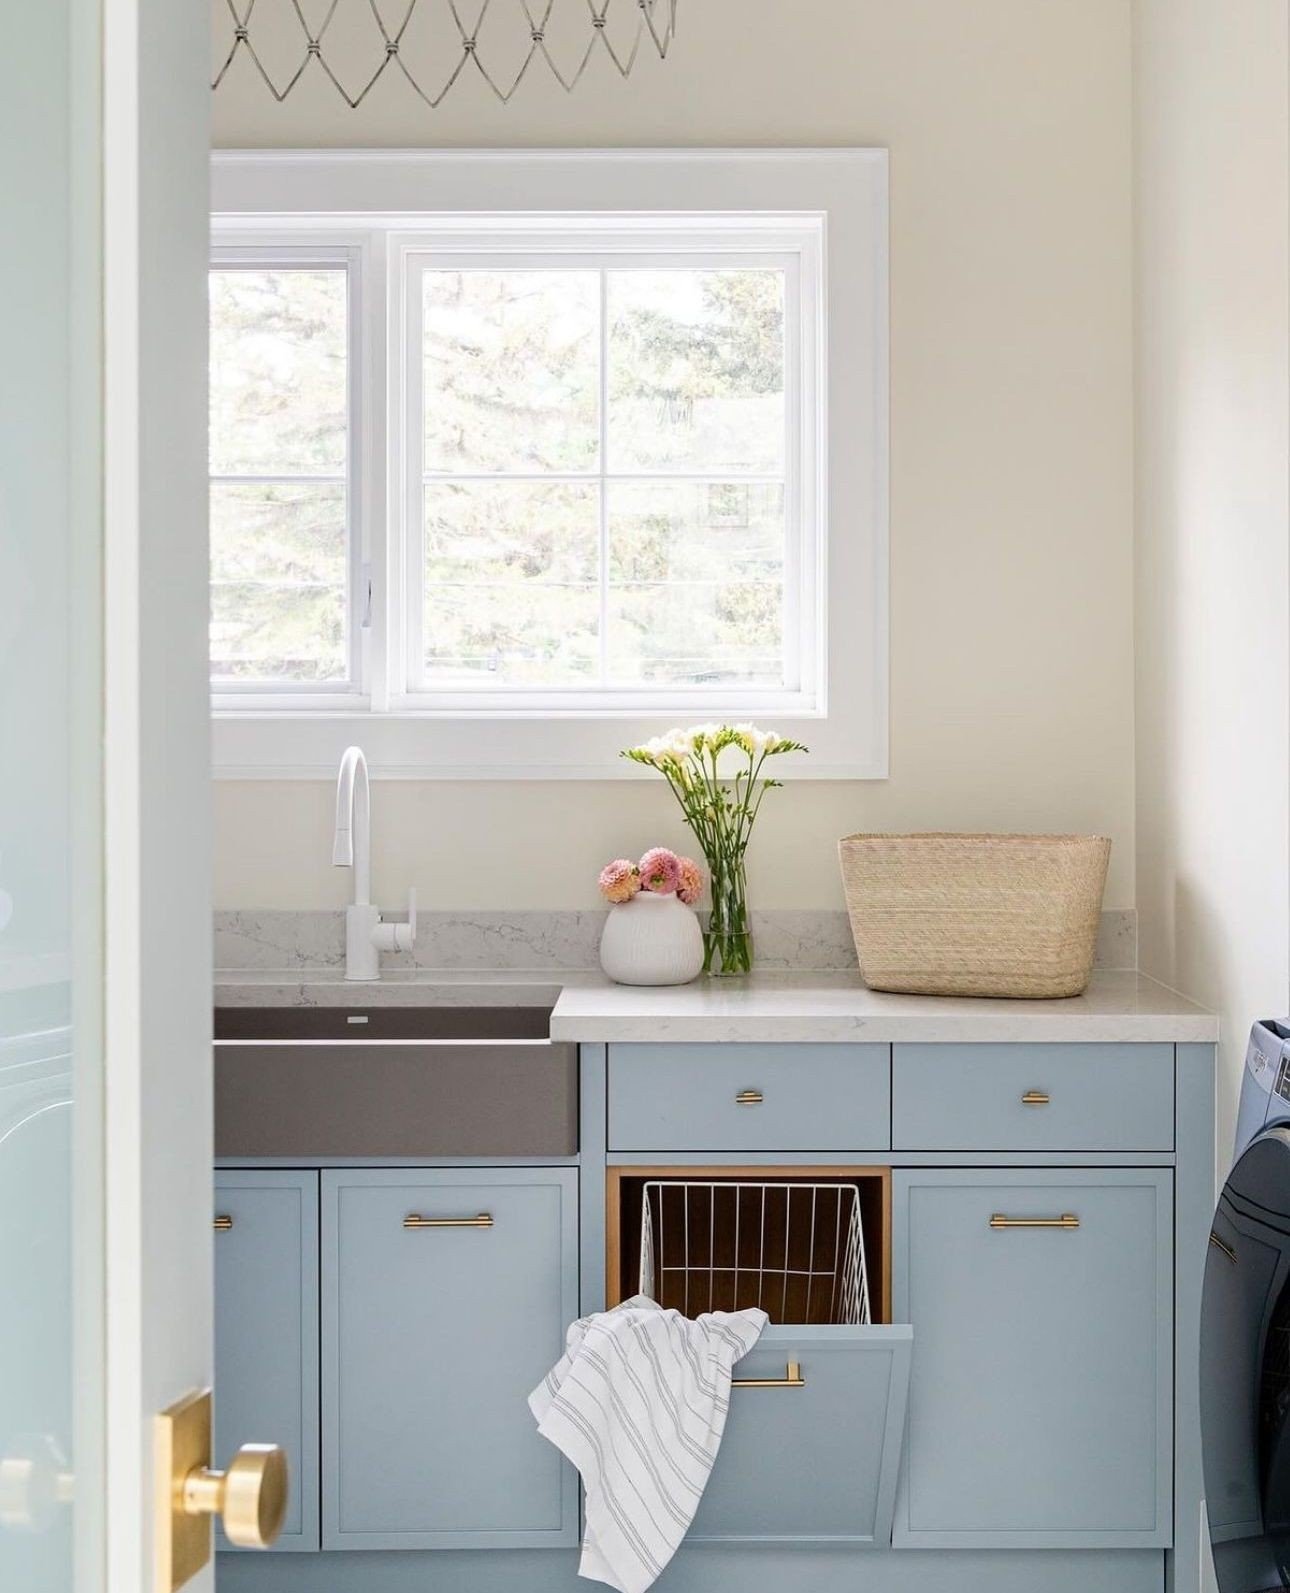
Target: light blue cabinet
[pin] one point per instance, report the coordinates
(1040, 1402)
(446, 1294)
(1033, 1097)
(266, 1330)
(1031, 1424)
(749, 1097)
(815, 1464)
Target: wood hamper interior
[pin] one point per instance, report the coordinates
(727, 1274)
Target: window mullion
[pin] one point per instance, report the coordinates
(603, 557)
(357, 608)
(407, 389)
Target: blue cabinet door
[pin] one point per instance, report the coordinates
(1040, 1408)
(815, 1462)
(266, 1330)
(446, 1295)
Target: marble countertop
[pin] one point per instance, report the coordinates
(402, 987)
(787, 1007)
(1115, 1007)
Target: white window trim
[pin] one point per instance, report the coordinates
(693, 199)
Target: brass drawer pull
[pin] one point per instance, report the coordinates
(223, 1222)
(1035, 1098)
(748, 1098)
(1068, 1220)
(792, 1379)
(414, 1219)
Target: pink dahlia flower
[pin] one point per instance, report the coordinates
(619, 880)
(690, 886)
(660, 870)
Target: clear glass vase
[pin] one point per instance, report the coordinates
(727, 941)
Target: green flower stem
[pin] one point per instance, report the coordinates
(721, 813)
(727, 943)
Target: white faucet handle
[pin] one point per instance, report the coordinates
(405, 935)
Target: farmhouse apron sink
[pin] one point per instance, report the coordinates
(408, 1082)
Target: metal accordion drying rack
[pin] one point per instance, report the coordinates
(472, 33)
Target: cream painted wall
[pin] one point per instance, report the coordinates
(1213, 511)
(1009, 125)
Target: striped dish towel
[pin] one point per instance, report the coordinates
(638, 1403)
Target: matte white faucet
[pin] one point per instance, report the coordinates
(366, 936)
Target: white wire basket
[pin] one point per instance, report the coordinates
(796, 1250)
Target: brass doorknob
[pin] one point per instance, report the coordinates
(34, 1482)
(251, 1496)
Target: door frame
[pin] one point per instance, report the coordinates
(156, 1120)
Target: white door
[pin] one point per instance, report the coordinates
(105, 1139)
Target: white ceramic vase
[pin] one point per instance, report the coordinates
(652, 940)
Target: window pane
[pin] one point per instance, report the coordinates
(278, 379)
(278, 582)
(696, 572)
(696, 370)
(511, 583)
(510, 362)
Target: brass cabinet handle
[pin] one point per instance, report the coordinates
(1068, 1220)
(792, 1379)
(414, 1219)
(748, 1098)
(1035, 1098)
(223, 1222)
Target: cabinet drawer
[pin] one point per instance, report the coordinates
(1033, 1097)
(433, 1338)
(749, 1097)
(266, 1330)
(817, 1463)
(1040, 1409)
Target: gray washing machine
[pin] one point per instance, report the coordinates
(1245, 1334)
(1265, 1087)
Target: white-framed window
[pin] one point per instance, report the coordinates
(285, 442)
(501, 487)
(603, 498)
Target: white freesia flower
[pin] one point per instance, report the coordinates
(755, 742)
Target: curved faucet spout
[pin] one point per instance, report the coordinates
(353, 844)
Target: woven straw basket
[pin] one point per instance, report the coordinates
(975, 915)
